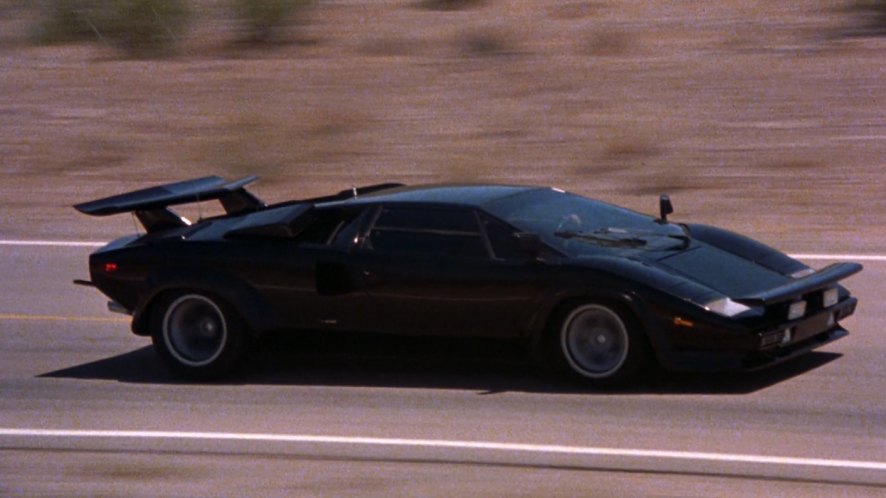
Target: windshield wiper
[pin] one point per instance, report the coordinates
(682, 237)
(602, 238)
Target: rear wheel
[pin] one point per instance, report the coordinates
(598, 344)
(197, 334)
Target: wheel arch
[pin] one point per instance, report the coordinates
(562, 301)
(255, 310)
(631, 305)
(551, 352)
(566, 298)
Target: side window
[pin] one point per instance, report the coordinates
(502, 239)
(324, 226)
(438, 232)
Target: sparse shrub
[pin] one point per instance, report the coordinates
(138, 27)
(67, 21)
(263, 19)
(450, 4)
(485, 44)
(146, 27)
(871, 16)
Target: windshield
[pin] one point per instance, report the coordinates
(575, 224)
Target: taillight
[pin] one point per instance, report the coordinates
(109, 267)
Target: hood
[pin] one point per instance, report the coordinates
(720, 270)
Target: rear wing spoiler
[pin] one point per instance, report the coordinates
(825, 277)
(150, 205)
(233, 196)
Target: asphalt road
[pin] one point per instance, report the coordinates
(87, 410)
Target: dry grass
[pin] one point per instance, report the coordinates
(754, 113)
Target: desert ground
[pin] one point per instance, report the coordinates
(763, 117)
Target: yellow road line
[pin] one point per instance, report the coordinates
(54, 318)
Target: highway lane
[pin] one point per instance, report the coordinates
(65, 363)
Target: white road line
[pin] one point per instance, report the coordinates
(442, 443)
(847, 257)
(50, 243)
(62, 243)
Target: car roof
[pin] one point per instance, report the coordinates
(460, 194)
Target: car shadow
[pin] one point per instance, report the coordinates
(484, 366)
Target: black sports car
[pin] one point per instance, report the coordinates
(598, 290)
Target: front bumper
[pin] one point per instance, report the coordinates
(763, 359)
(759, 350)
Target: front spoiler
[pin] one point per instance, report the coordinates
(748, 361)
(761, 360)
(820, 279)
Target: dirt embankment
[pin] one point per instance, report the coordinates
(757, 116)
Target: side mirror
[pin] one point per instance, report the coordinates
(664, 208)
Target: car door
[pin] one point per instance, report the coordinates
(433, 271)
(311, 279)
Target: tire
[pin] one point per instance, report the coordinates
(197, 334)
(598, 345)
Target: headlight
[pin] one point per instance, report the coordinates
(830, 297)
(726, 307)
(796, 310)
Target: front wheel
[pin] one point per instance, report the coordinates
(197, 334)
(598, 345)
